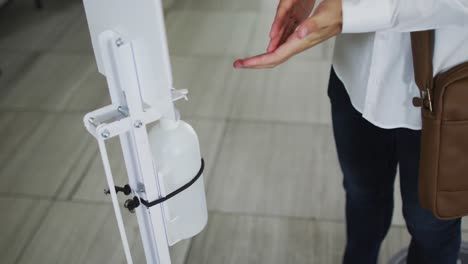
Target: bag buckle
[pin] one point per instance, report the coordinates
(425, 100)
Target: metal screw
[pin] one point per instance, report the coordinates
(105, 133)
(138, 124)
(119, 42)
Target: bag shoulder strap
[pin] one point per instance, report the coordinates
(422, 44)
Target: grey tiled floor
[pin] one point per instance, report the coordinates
(273, 183)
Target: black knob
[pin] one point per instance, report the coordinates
(127, 190)
(131, 204)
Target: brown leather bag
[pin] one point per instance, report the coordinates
(443, 179)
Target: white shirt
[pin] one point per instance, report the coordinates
(375, 62)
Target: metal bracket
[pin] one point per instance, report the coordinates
(127, 118)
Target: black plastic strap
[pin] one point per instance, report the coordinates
(174, 193)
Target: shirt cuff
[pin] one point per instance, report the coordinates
(361, 16)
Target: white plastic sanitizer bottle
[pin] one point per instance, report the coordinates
(176, 153)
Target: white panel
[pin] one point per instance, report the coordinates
(142, 23)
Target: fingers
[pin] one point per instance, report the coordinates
(282, 11)
(291, 47)
(324, 16)
(288, 31)
(274, 43)
(265, 60)
(325, 23)
(278, 40)
(268, 60)
(289, 15)
(253, 62)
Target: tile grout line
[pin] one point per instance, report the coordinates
(25, 137)
(103, 203)
(24, 68)
(187, 117)
(51, 199)
(33, 233)
(78, 183)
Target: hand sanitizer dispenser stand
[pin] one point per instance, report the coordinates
(165, 189)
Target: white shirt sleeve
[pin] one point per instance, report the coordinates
(361, 16)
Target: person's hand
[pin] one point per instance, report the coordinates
(289, 15)
(325, 23)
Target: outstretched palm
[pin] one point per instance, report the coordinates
(289, 15)
(293, 31)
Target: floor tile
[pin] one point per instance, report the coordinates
(167, 4)
(75, 235)
(178, 252)
(398, 205)
(50, 83)
(210, 84)
(231, 238)
(88, 156)
(20, 218)
(35, 29)
(397, 239)
(90, 93)
(94, 181)
(15, 129)
(209, 33)
(77, 37)
(46, 157)
(84, 233)
(296, 91)
(277, 169)
(12, 65)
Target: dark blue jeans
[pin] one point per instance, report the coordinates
(369, 157)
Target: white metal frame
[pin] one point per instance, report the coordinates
(127, 118)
